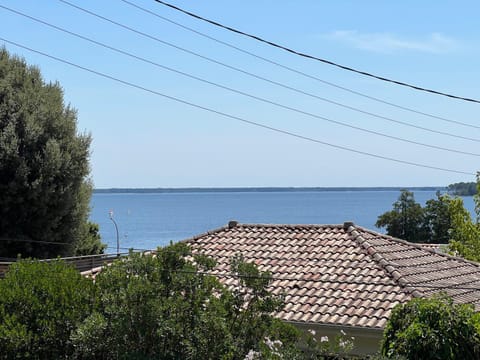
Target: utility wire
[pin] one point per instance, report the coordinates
(275, 82)
(296, 280)
(128, 248)
(237, 118)
(240, 92)
(273, 278)
(60, 243)
(154, 251)
(302, 73)
(325, 61)
(303, 280)
(34, 241)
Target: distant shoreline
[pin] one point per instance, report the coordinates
(261, 189)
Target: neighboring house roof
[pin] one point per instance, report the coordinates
(340, 274)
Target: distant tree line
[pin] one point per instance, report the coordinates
(462, 188)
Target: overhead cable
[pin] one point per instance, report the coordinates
(272, 277)
(299, 282)
(269, 80)
(33, 241)
(237, 118)
(325, 61)
(316, 116)
(309, 76)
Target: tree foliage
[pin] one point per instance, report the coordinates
(44, 186)
(91, 243)
(463, 188)
(432, 329)
(406, 220)
(410, 221)
(40, 305)
(167, 307)
(438, 219)
(465, 232)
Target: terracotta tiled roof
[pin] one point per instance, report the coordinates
(340, 274)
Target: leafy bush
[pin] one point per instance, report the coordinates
(167, 307)
(432, 329)
(41, 304)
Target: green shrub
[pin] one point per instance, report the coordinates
(432, 329)
(40, 305)
(167, 307)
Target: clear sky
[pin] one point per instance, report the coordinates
(144, 140)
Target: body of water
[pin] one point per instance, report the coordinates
(148, 220)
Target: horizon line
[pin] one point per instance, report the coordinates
(266, 188)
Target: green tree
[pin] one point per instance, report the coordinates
(432, 329)
(463, 189)
(465, 232)
(438, 219)
(406, 220)
(40, 305)
(92, 243)
(44, 166)
(167, 307)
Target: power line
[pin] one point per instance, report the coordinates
(325, 61)
(273, 278)
(128, 248)
(33, 241)
(296, 280)
(296, 71)
(8, 239)
(237, 118)
(241, 92)
(163, 42)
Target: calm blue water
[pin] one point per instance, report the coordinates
(146, 221)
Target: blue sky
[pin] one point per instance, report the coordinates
(144, 140)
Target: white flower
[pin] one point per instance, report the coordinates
(343, 332)
(311, 331)
(324, 339)
(252, 355)
(269, 343)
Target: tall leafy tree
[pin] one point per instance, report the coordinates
(438, 219)
(44, 166)
(406, 220)
(410, 221)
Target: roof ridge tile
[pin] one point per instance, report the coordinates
(382, 262)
